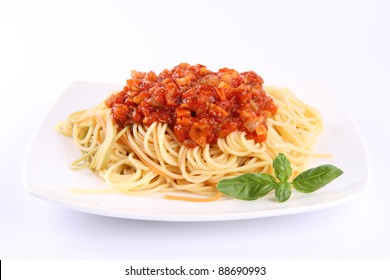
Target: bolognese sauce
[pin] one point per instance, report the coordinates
(199, 105)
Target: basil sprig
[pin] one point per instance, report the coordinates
(252, 186)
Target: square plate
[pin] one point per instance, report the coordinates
(46, 171)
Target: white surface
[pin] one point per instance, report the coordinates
(50, 155)
(45, 46)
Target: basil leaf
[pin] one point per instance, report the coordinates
(247, 186)
(282, 168)
(282, 191)
(315, 178)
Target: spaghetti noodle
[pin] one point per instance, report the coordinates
(139, 151)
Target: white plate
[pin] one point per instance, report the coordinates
(47, 174)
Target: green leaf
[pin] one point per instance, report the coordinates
(282, 191)
(282, 168)
(248, 186)
(315, 178)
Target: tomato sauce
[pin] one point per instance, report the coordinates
(199, 105)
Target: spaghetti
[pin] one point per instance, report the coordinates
(138, 146)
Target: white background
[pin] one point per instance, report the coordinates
(45, 45)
